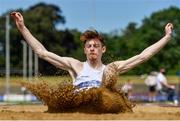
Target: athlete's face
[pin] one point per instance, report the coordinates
(93, 49)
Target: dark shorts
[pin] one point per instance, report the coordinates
(152, 88)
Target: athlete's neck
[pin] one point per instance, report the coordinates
(95, 64)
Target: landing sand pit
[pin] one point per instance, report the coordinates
(38, 112)
(50, 112)
(64, 97)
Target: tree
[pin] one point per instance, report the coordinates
(41, 19)
(148, 33)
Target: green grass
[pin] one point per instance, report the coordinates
(139, 85)
(140, 80)
(15, 81)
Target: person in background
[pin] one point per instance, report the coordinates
(164, 87)
(127, 88)
(151, 82)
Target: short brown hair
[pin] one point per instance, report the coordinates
(92, 34)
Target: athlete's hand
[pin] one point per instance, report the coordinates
(169, 29)
(18, 18)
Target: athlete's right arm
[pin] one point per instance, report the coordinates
(65, 63)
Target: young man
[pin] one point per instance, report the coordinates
(92, 72)
(163, 86)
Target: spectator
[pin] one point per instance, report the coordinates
(151, 82)
(127, 88)
(164, 87)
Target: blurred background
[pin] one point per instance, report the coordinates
(128, 26)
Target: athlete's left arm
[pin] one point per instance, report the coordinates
(124, 66)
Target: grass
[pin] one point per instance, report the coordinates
(139, 85)
(15, 81)
(140, 79)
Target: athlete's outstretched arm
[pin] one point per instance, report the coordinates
(60, 62)
(123, 66)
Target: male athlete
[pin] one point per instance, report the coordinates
(92, 72)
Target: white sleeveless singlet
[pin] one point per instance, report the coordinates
(89, 77)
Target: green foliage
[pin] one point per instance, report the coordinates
(151, 31)
(42, 19)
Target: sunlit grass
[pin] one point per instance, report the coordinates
(140, 79)
(15, 81)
